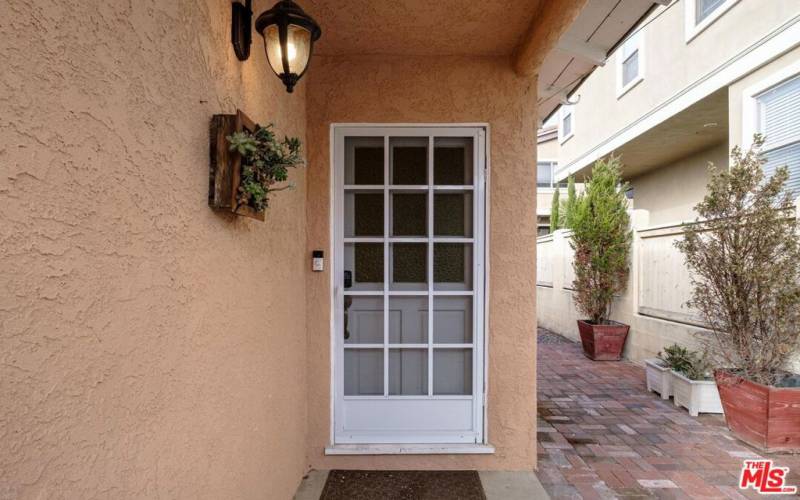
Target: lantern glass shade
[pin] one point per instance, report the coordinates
(298, 49)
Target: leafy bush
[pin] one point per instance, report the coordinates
(744, 257)
(601, 240)
(676, 357)
(691, 364)
(568, 211)
(265, 161)
(554, 212)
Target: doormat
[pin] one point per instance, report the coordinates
(402, 485)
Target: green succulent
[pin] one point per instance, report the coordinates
(265, 162)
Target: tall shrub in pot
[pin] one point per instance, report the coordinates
(744, 256)
(601, 238)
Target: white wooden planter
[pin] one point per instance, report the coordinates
(659, 377)
(697, 396)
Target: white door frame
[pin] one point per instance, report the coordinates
(480, 276)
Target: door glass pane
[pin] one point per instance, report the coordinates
(452, 266)
(409, 213)
(452, 161)
(409, 160)
(452, 372)
(408, 372)
(363, 266)
(363, 160)
(452, 214)
(363, 213)
(363, 320)
(409, 266)
(452, 320)
(408, 320)
(363, 372)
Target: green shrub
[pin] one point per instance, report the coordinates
(691, 364)
(567, 214)
(675, 357)
(554, 212)
(744, 257)
(601, 239)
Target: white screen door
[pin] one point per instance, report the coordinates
(409, 284)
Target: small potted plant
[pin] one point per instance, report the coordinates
(744, 258)
(693, 385)
(601, 238)
(658, 369)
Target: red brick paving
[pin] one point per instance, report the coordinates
(602, 435)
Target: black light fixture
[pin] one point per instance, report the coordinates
(289, 35)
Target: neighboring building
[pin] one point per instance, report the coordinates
(694, 79)
(546, 165)
(153, 348)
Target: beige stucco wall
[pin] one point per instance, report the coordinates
(670, 192)
(149, 348)
(548, 150)
(671, 64)
(391, 89)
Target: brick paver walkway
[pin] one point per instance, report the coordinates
(602, 435)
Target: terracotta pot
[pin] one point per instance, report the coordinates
(603, 342)
(763, 416)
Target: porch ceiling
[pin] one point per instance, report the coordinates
(421, 27)
(560, 41)
(698, 127)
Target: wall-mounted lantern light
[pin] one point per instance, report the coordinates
(289, 35)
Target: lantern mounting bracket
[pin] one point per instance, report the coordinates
(242, 28)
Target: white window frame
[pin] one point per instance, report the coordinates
(553, 166)
(637, 42)
(563, 112)
(428, 444)
(693, 28)
(751, 122)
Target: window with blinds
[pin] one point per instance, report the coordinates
(705, 8)
(544, 174)
(779, 122)
(630, 63)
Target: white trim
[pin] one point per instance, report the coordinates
(777, 42)
(435, 439)
(690, 12)
(563, 112)
(485, 189)
(750, 115)
(409, 449)
(619, 56)
(332, 273)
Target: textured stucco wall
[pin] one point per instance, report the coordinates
(389, 89)
(670, 192)
(149, 348)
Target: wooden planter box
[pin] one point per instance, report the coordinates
(762, 416)
(226, 166)
(697, 396)
(603, 342)
(659, 377)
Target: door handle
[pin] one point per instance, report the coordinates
(348, 301)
